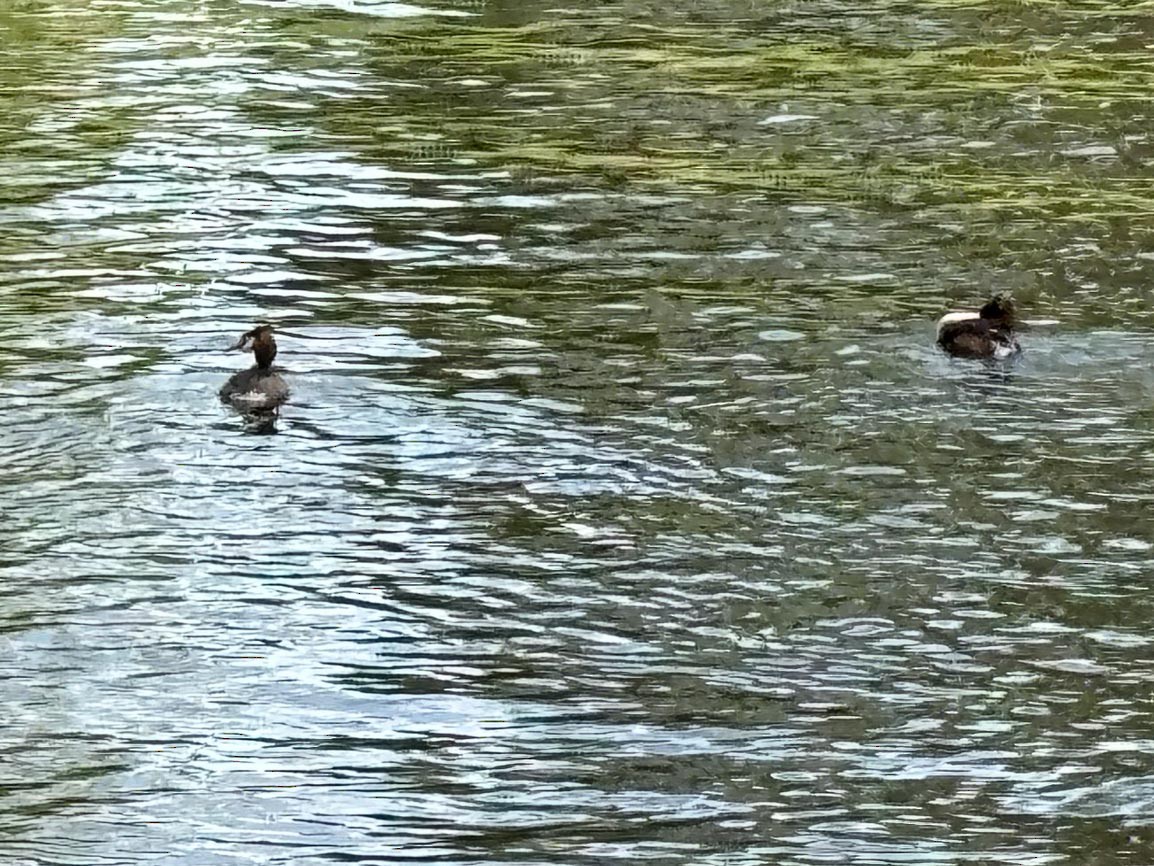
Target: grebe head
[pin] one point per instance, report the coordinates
(263, 345)
(998, 311)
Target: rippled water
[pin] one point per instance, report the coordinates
(624, 509)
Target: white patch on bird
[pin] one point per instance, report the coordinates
(957, 316)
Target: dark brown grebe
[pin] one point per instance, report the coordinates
(259, 389)
(988, 333)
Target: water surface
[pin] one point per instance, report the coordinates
(624, 509)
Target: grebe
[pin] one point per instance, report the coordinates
(988, 333)
(259, 390)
